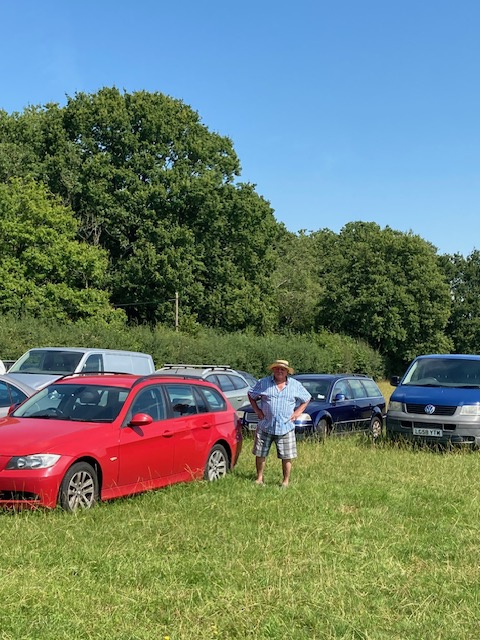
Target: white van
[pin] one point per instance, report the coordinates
(39, 367)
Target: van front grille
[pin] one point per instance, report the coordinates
(441, 410)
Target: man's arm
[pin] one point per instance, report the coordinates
(299, 410)
(255, 407)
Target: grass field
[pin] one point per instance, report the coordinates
(386, 388)
(368, 542)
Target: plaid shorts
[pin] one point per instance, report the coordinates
(286, 444)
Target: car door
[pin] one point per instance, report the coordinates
(343, 409)
(193, 427)
(146, 453)
(363, 405)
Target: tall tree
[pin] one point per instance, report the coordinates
(463, 275)
(154, 187)
(387, 287)
(44, 270)
(297, 281)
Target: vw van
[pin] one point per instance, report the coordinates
(39, 367)
(437, 400)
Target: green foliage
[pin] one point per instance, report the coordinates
(297, 282)
(44, 270)
(463, 327)
(150, 184)
(387, 288)
(322, 352)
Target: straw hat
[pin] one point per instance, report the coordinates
(281, 363)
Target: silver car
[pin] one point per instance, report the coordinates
(12, 392)
(233, 385)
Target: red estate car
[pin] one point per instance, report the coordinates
(100, 436)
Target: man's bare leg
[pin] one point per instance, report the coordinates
(260, 464)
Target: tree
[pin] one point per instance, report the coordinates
(463, 275)
(297, 282)
(44, 270)
(387, 287)
(153, 186)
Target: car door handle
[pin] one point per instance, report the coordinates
(167, 434)
(206, 425)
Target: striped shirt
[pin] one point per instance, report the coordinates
(278, 406)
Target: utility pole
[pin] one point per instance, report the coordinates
(176, 310)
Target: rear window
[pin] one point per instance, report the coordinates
(372, 389)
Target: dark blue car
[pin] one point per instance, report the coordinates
(341, 404)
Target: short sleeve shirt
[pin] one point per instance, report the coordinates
(278, 406)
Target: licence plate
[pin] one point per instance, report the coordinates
(424, 431)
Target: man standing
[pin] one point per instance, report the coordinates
(283, 400)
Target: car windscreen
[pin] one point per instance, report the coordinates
(444, 372)
(46, 361)
(78, 402)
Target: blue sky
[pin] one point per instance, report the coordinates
(339, 110)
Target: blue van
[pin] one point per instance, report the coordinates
(437, 400)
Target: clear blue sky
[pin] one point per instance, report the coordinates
(339, 110)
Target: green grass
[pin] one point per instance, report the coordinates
(368, 542)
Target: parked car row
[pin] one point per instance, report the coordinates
(81, 425)
(98, 424)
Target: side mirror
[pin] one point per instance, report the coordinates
(12, 408)
(140, 420)
(395, 381)
(339, 397)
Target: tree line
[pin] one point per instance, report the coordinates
(112, 203)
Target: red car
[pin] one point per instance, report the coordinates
(100, 436)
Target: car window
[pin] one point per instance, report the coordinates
(342, 386)
(200, 401)
(94, 362)
(16, 395)
(151, 402)
(372, 389)
(181, 399)
(237, 381)
(213, 379)
(225, 382)
(5, 400)
(214, 399)
(357, 388)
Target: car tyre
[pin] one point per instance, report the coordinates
(79, 488)
(376, 427)
(322, 429)
(218, 463)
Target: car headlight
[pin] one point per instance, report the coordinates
(393, 405)
(470, 410)
(36, 461)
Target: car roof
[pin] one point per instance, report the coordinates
(86, 349)
(450, 356)
(125, 380)
(196, 370)
(17, 383)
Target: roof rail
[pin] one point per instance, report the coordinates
(196, 366)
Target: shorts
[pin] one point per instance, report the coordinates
(286, 444)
